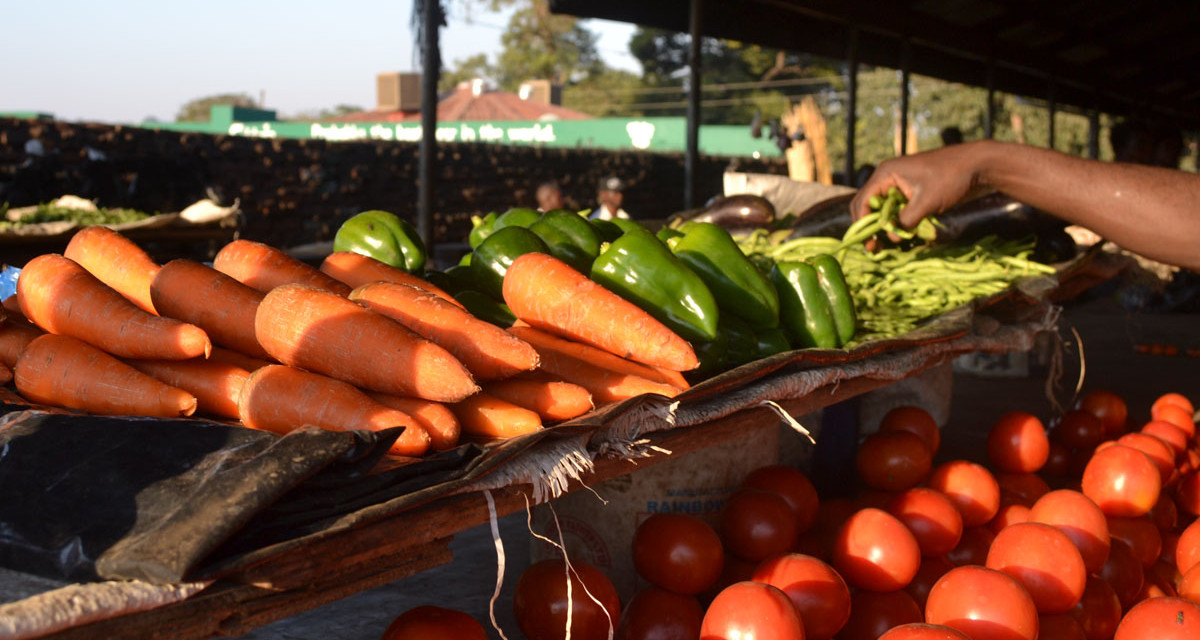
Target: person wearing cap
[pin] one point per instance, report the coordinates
(610, 195)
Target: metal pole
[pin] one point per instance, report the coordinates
(692, 159)
(1051, 110)
(851, 103)
(989, 124)
(905, 54)
(432, 66)
(1093, 134)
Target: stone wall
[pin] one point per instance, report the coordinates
(296, 192)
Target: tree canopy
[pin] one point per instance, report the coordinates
(197, 110)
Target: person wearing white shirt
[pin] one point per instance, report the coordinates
(610, 195)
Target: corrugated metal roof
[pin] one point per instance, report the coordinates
(465, 105)
(1117, 56)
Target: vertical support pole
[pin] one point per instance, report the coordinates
(989, 125)
(1093, 134)
(692, 159)
(905, 55)
(431, 69)
(1051, 111)
(851, 103)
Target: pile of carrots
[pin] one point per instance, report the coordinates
(276, 344)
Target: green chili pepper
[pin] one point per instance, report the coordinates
(383, 236)
(516, 217)
(491, 259)
(569, 237)
(841, 302)
(485, 307)
(640, 268)
(803, 308)
(739, 287)
(481, 228)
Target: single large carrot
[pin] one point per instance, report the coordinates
(327, 333)
(549, 294)
(280, 399)
(552, 399)
(116, 261)
(66, 372)
(488, 417)
(216, 385)
(489, 352)
(62, 297)
(263, 267)
(355, 270)
(605, 385)
(238, 359)
(439, 421)
(14, 336)
(199, 294)
(594, 355)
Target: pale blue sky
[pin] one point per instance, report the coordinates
(126, 60)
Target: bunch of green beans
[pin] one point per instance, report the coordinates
(896, 289)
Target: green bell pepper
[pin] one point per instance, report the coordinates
(803, 308)
(627, 224)
(712, 357)
(516, 217)
(640, 268)
(743, 345)
(608, 230)
(739, 287)
(770, 342)
(569, 237)
(485, 307)
(491, 259)
(841, 302)
(481, 228)
(383, 236)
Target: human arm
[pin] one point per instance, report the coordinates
(1148, 210)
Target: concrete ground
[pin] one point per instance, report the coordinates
(1106, 332)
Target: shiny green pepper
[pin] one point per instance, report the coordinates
(841, 302)
(493, 256)
(516, 217)
(569, 237)
(485, 307)
(769, 342)
(608, 230)
(739, 287)
(640, 268)
(481, 228)
(803, 308)
(383, 236)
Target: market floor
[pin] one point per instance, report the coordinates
(1107, 333)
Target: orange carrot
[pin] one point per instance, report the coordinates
(6, 374)
(66, 372)
(551, 399)
(548, 294)
(62, 297)
(489, 352)
(324, 332)
(238, 359)
(355, 270)
(216, 385)
(588, 353)
(488, 417)
(605, 385)
(439, 421)
(263, 267)
(196, 293)
(13, 338)
(281, 399)
(116, 261)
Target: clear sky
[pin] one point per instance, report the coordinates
(128, 60)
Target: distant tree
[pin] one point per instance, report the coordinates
(611, 92)
(465, 70)
(543, 45)
(197, 110)
(326, 114)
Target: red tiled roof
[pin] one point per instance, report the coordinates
(463, 105)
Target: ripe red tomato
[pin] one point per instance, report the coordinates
(1174, 399)
(658, 614)
(434, 623)
(1156, 586)
(1078, 429)
(1062, 626)
(678, 552)
(1044, 560)
(1141, 534)
(931, 517)
(819, 593)
(1123, 571)
(893, 461)
(1109, 407)
(1187, 550)
(1017, 443)
(1161, 619)
(923, 631)
(1165, 515)
(1008, 515)
(971, 487)
(1177, 416)
(1122, 481)
(1187, 493)
(1189, 585)
(1099, 610)
(793, 485)
(757, 524)
(1157, 449)
(875, 613)
(914, 420)
(1021, 488)
(1080, 519)
(1058, 462)
(751, 610)
(972, 547)
(540, 602)
(983, 603)
(875, 551)
(1169, 433)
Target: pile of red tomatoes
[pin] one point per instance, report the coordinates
(1084, 528)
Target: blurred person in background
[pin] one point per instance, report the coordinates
(610, 195)
(549, 196)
